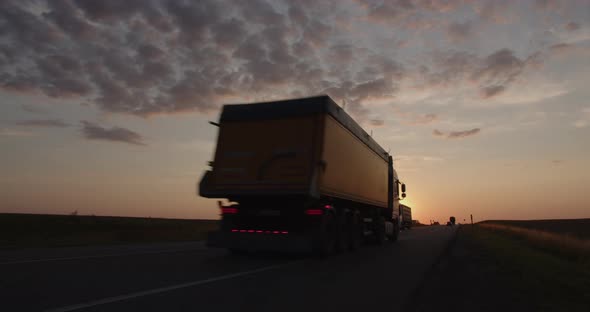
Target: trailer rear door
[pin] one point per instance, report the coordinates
(264, 156)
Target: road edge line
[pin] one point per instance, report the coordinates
(154, 291)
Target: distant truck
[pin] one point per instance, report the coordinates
(300, 175)
(451, 221)
(405, 214)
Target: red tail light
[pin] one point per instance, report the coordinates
(229, 210)
(313, 212)
(260, 231)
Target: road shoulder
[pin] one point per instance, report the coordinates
(488, 271)
(460, 280)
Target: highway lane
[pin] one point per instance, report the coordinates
(31, 255)
(189, 277)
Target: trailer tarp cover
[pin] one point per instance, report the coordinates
(299, 107)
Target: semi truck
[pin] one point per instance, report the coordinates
(405, 219)
(300, 175)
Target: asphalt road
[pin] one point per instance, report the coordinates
(190, 277)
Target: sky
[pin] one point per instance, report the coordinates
(104, 105)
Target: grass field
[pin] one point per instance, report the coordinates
(498, 267)
(579, 228)
(30, 230)
(568, 245)
(552, 272)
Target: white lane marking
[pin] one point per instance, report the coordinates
(163, 289)
(98, 256)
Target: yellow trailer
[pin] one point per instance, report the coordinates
(305, 169)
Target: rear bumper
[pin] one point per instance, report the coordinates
(291, 243)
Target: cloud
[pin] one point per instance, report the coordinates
(561, 48)
(425, 119)
(411, 118)
(456, 134)
(66, 17)
(437, 132)
(167, 56)
(490, 91)
(583, 120)
(35, 109)
(377, 122)
(459, 31)
(572, 26)
(547, 4)
(15, 133)
(388, 11)
(148, 57)
(52, 123)
(150, 52)
(499, 70)
(462, 134)
(489, 76)
(494, 11)
(93, 131)
(405, 13)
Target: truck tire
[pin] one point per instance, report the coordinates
(395, 235)
(341, 232)
(324, 238)
(354, 230)
(380, 235)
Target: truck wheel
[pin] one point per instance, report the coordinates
(394, 236)
(380, 230)
(324, 239)
(353, 230)
(341, 232)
